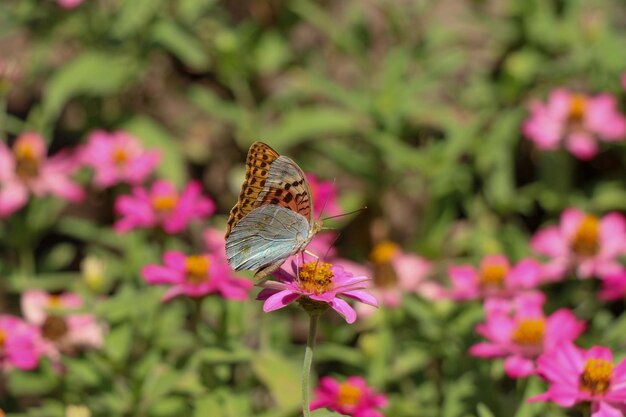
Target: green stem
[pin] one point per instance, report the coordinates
(306, 367)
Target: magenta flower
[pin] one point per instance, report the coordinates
(62, 330)
(69, 4)
(576, 121)
(576, 375)
(314, 284)
(162, 206)
(196, 276)
(324, 195)
(352, 397)
(522, 336)
(20, 344)
(118, 157)
(494, 278)
(614, 286)
(584, 242)
(25, 169)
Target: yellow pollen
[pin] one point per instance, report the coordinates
(529, 332)
(586, 240)
(596, 376)
(383, 252)
(197, 268)
(316, 277)
(54, 301)
(120, 156)
(3, 338)
(577, 108)
(27, 164)
(349, 395)
(492, 275)
(164, 203)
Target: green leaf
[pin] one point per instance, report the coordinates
(32, 383)
(484, 411)
(134, 15)
(119, 342)
(170, 406)
(281, 377)
(59, 257)
(322, 412)
(183, 45)
(92, 73)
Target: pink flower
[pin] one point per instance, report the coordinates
(522, 336)
(352, 397)
(584, 242)
(314, 284)
(576, 375)
(62, 330)
(196, 276)
(118, 157)
(614, 286)
(20, 344)
(575, 120)
(25, 169)
(494, 278)
(162, 206)
(215, 243)
(69, 4)
(324, 196)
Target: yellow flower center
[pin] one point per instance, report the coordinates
(119, 156)
(316, 277)
(54, 301)
(27, 164)
(383, 252)
(492, 275)
(54, 328)
(3, 338)
(596, 376)
(529, 332)
(586, 240)
(164, 203)
(349, 395)
(381, 256)
(577, 109)
(197, 268)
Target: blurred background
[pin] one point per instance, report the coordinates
(412, 108)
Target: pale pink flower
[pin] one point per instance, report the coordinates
(26, 169)
(196, 276)
(614, 286)
(495, 278)
(575, 121)
(215, 243)
(20, 344)
(316, 283)
(522, 335)
(118, 157)
(162, 206)
(69, 4)
(62, 330)
(577, 375)
(324, 195)
(584, 242)
(352, 397)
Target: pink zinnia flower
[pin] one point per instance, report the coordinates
(69, 4)
(324, 195)
(118, 157)
(313, 284)
(576, 375)
(614, 286)
(575, 120)
(522, 336)
(352, 397)
(62, 330)
(494, 278)
(196, 276)
(25, 169)
(20, 344)
(162, 206)
(584, 242)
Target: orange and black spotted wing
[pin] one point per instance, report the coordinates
(260, 157)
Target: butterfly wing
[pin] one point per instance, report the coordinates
(265, 238)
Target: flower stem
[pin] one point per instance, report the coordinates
(306, 367)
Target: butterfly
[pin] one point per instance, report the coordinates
(273, 218)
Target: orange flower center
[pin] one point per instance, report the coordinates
(27, 164)
(349, 395)
(586, 240)
(492, 275)
(596, 376)
(54, 328)
(164, 203)
(577, 109)
(316, 277)
(383, 252)
(3, 338)
(529, 332)
(381, 256)
(119, 156)
(197, 269)
(54, 301)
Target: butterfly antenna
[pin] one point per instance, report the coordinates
(346, 214)
(331, 245)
